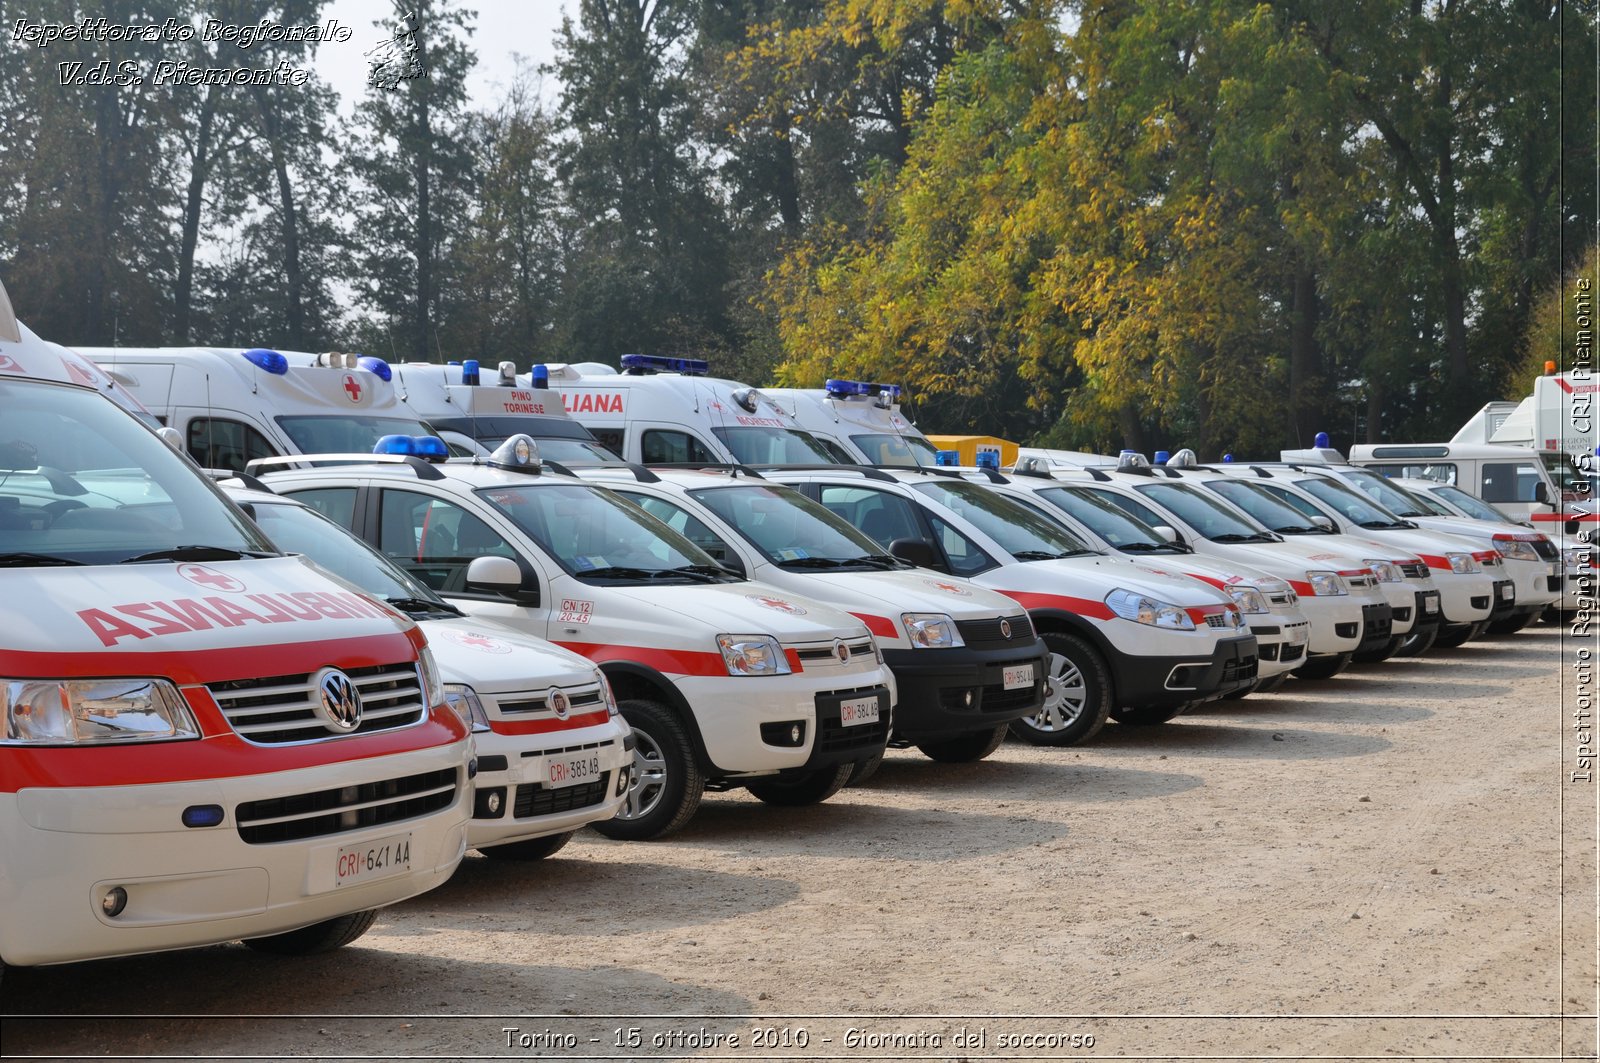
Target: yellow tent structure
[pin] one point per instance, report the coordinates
(969, 447)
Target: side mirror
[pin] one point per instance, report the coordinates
(174, 438)
(1325, 523)
(919, 552)
(500, 575)
(1168, 533)
(1541, 493)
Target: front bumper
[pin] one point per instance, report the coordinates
(1377, 626)
(1280, 644)
(947, 692)
(518, 796)
(66, 846)
(1166, 682)
(1505, 600)
(1463, 598)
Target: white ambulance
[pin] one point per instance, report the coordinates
(554, 754)
(662, 410)
(860, 422)
(474, 415)
(966, 660)
(233, 406)
(204, 740)
(1124, 642)
(726, 682)
(1541, 486)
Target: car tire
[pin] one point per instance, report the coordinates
(1454, 635)
(1271, 683)
(325, 936)
(1380, 653)
(667, 781)
(1323, 667)
(1145, 716)
(800, 788)
(862, 770)
(1077, 696)
(1511, 624)
(532, 849)
(966, 747)
(1418, 643)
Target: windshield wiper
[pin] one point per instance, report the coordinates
(716, 572)
(1301, 529)
(34, 560)
(1234, 537)
(424, 605)
(878, 560)
(1148, 548)
(1384, 525)
(194, 553)
(698, 573)
(1043, 555)
(618, 572)
(813, 562)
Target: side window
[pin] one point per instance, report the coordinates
(662, 446)
(435, 540)
(610, 438)
(218, 443)
(879, 515)
(1134, 507)
(338, 504)
(965, 556)
(689, 526)
(835, 451)
(1509, 481)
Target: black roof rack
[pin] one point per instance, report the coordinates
(1261, 472)
(423, 469)
(243, 477)
(871, 472)
(995, 476)
(1098, 474)
(733, 468)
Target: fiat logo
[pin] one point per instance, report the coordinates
(841, 651)
(1005, 629)
(558, 702)
(340, 705)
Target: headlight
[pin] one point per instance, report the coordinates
(1462, 563)
(465, 701)
(432, 685)
(752, 655)
(1326, 583)
(1248, 599)
(1386, 571)
(931, 631)
(53, 712)
(1142, 609)
(1515, 549)
(1273, 587)
(607, 693)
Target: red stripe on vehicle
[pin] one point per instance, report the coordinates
(667, 662)
(1558, 518)
(1198, 613)
(1305, 590)
(1436, 562)
(792, 656)
(1485, 555)
(1217, 583)
(546, 726)
(880, 626)
(1356, 572)
(1089, 607)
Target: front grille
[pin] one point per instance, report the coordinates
(345, 808)
(1415, 570)
(834, 737)
(283, 708)
(580, 698)
(993, 697)
(1362, 581)
(985, 634)
(1376, 622)
(1217, 620)
(1292, 653)
(1242, 668)
(827, 653)
(533, 799)
(1546, 549)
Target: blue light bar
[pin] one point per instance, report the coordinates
(271, 361)
(660, 363)
(376, 366)
(394, 444)
(469, 372)
(541, 376)
(1227, 459)
(988, 459)
(1161, 457)
(429, 448)
(846, 388)
(947, 457)
(1321, 440)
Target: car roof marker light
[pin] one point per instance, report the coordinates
(395, 444)
(519, 453)
(271, 361)
(642, 364)
(374, 365)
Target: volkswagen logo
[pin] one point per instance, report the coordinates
(841, 651)
(558, 702)
(340, 704)
(1005, 629)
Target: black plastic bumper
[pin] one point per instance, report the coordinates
(946, 692)
(1377, 626)
(1505, 600)
(839, 743)
(1166, 682)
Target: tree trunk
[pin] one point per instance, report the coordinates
(1305, 361)
(294, 279)
(422, 168)
(193, 206)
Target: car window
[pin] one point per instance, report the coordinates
(435, 539)
(661, 447)
(687, 525)
(219, 443)
(1509, 481)
(881, 516)
(338, 504)
(965, 557)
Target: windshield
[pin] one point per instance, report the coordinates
(790, 529)
(1470, 504)
(1349, 503)
(1211, 518)
(559, 439)
(896, 450)
(346, 433)
(82, 482)
(302, 530)
(1395, 499)
(1264, 507)
(1570, 480)
(598, 536)
(773, 446)
(1024, 534)
(1116, 526)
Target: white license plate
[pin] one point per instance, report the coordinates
(372, 860)
(1430, 605)
(571, 769)
(1506, 592)
(1298, 636)
(858, 711)
(1018, 677)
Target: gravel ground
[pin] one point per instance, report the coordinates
(1388, 864)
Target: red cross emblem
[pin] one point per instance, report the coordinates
(9, 365)
(716, 405)
(352, 388)
(209, 578)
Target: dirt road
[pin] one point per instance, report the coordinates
(1393, 863)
